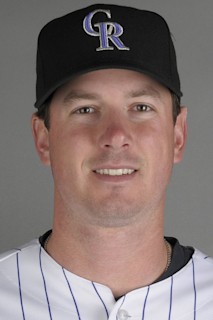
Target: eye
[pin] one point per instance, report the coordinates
(85, 110)
(142, 108)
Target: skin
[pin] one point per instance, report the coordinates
(111, 119)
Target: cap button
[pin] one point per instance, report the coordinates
(123, 315)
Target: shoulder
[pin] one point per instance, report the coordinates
(202, 260)
(6, 255)
(10, 259)
(202, 269)
(195, 280)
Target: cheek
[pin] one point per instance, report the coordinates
(68, 149)
(158, 136)
(157, 143)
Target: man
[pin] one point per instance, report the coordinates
(109, 124)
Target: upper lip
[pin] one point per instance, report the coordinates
(115, 172)
(115, 167)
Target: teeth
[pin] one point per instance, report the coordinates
(115, 172)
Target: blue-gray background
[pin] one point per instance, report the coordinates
(26, 188)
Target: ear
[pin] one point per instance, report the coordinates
(180, 134)
(41, 139)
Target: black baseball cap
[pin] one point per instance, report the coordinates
(105, 36)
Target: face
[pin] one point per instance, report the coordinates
(111, 146)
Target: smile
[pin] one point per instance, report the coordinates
(115, 172)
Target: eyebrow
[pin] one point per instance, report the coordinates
(78, 95)
(74, 95)
(149, 92)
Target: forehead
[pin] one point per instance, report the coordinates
(128, 82)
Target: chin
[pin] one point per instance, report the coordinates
(113, 215)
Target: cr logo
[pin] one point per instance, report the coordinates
(107, 31)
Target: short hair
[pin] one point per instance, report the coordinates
(44, 111)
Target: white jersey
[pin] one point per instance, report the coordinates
(34, 287)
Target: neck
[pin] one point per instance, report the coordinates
(123, 258)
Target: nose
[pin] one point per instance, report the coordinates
(115, 136)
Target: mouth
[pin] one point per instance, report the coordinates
(115, 172)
